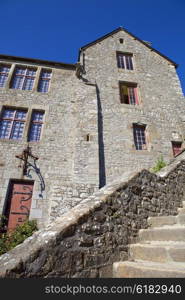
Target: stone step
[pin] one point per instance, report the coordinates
(181, 211)
(181, 219)
(143, 269)
(158, 251)
(165, 233)
(163, 220)
(166, 220)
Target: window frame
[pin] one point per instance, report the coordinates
(44, 79)
(140, 146)
(32, 122)
(13, 121)
(5, 73)
(24, 77)
(122, 63)
(132, 88)
(174, 148)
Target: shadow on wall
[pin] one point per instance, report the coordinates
(80, 71)
(102, 174)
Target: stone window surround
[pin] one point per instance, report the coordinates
(136, 93)
(124, 53)
(26, 129)
(23, 78)
(16, 119)
(37, 137)
(44, 81)
(146, 137)
(4, 74)
(37, 77)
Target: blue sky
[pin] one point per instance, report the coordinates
(56, 29)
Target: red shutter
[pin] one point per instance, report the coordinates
(176, 146)
(136, 96)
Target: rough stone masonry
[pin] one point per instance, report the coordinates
(87, 240)
(87, 136)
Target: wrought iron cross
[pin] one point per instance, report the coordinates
(24, 157)
(31, 166)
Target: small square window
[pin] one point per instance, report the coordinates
(87, 137)
(176, 147)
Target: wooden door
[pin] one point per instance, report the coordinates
(20, 197)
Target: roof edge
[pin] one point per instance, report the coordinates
(102, 38)
(132, 35)
(38, 61)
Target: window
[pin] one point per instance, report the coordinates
(23, 78)
(12, 123)
(4, 71)
(124, 61)
(128, 93)
(44, 81)
(88, 137)
(176, 147)
(139, 137)
(36, 126)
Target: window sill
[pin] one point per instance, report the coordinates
(141, 152)
(131, 106)
(23, 91)
(11, 141)
(34, 142)
(125, 70)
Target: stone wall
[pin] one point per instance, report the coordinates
(66, 158)
(87, 137)
(160, 106)
(86, 241)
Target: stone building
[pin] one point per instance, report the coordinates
(68, 129)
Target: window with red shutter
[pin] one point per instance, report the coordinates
(128, 93)
(176, 147)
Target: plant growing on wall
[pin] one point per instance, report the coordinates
(159, 165)
(10, 240)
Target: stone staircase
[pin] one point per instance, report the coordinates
(160, 252)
